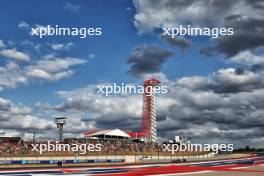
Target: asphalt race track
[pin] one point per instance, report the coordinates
(253, 166)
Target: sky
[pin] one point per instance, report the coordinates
(215, 85)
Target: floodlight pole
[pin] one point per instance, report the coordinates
(34, 136)
(60, 132)
(60, 122)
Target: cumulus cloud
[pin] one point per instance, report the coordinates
(23, 25)
(104, 110)
(14, 54)
(61, 46)
(12, 113)
(248, 58)
(46, 68)
(72, 7)
(4, 104)
(194, 82)
(91, 56)
(147, 59)
(41, 74)
(53, 69)
(57, 64)
(247, 36)
(235, 80)
(245, 16)
(154, 14)
(35, 46)
(11, 76)
(87, 110)
(207, 13)
(2, 45)
(49, 68)
(160, 76)
(177, 41)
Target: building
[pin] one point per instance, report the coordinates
(181, 139)
(115, 134)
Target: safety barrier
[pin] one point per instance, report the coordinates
(4, 162)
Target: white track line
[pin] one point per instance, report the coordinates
(186, 173)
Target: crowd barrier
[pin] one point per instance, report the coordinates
(4, 162)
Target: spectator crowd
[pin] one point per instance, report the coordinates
(24, 147)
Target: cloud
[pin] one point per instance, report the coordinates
(177, 41)
(173, 13)
(2, 45)
(104, 110)
(216, 108)
(57, 64)
(194, 82)
(60, 46)
(147, 59)
(236, 80)
(30, 28)
(98, 113)
(247, 36)
(41, 74)
(11, 76)
(49, 68)
(91, 56)
(159, 76)
(4, 104)
(35, 46)
(53, 69)
(248, 58)
(229, 80)
(14, 54)
(128, 9)
(72, 7)
(194, 12)
(23, 25)
(19, 119)
(245, 16)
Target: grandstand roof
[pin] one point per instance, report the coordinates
(114, 133)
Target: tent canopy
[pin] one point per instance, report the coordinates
(113, 133)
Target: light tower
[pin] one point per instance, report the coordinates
(149, 127)
(60, 122)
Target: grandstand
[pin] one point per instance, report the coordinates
(9, 139)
